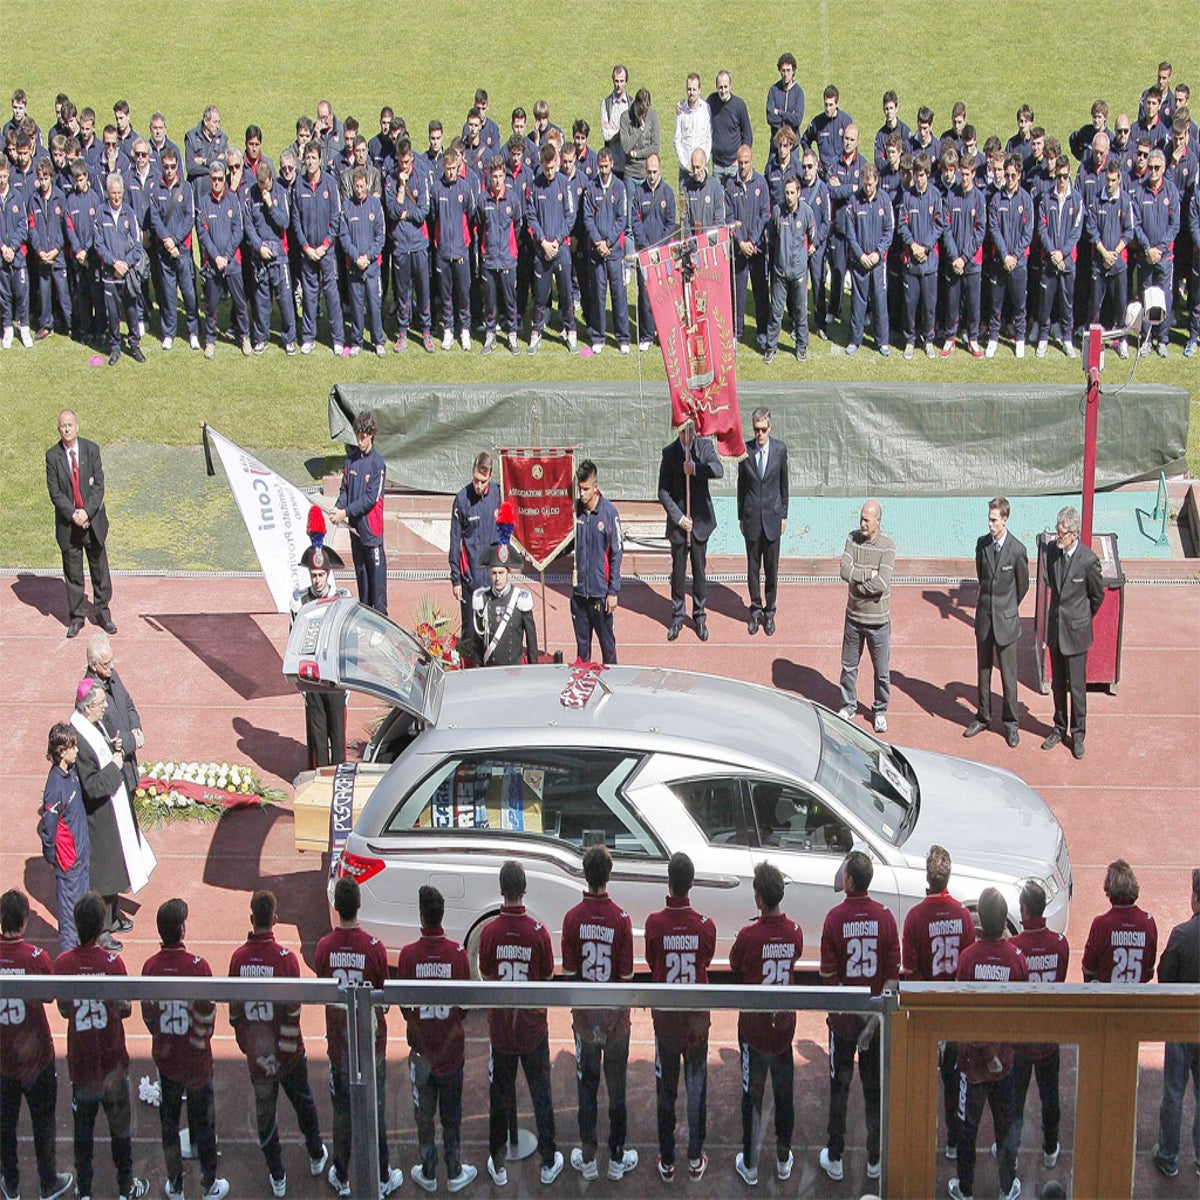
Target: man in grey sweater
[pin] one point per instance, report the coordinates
(867, 564)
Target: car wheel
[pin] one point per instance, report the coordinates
(473, 940)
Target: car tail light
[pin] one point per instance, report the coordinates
(358, 868)
(309, 671)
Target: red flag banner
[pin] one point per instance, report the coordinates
(688, 285)
(540, 485)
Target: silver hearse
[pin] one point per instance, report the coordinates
(537, 763)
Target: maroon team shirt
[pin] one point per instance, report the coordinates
(764, 953)
(936, 932)
(597, 947)
(516, 948)
(1122, 945)
(989, 960)
(351, 956)
(26, 1048)
(860, 947)
(1046, 957)
(180, 1030)
(435, 1031)
(680, 944)
(268, 1034)
(95, 1031)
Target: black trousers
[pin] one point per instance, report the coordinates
(841, 1071)
(756, 1066)
(298, 1090)
(589, 614)
(762, 557)
(325, 728)
(502, 1078)
(589, 1058)
(696, 552)
(72, 564)
(667, 1061)
(433, 1094)
(1069, 674)
(114, 1099)
(986, 650)
(41, 1096)
(201, 1119)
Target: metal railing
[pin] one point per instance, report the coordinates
(361, 1002)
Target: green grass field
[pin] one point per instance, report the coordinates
(268, 62)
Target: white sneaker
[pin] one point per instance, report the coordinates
(465, 1175)
(908, 351)
(535, 342)
(1042, 347)
(1122, 349)
(217, 1190)
(512, 344)
(881, 723)
(417, 1175)
(930, 350)
(644, 347)
(831, 1166)
(952, 1153)
(339, 1185)
(1161, 350)
(956, 1192)
(1050, 1157)
(874, 1170)
(278, 1186)
(784, 1169)
(572, 341)
(465, 340)
(26, 337)
(6, 341)
(1020, 348)
(588, 1169)
(597, 348)
(391, 1183)
(618, 1168)
(317, 1165)
(990, 352)
(499, 1174)
(355, 351)
(624, 347)
(380, 350)
(194, 341)
(447, 339)
(1068, 348)
(554, 1170)
(338, 349)
(848, 712)
(62, 1181)
(307, 347)
(168, 342)
(749, 1174)
(1014, 1191)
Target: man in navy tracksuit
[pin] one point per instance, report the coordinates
(748, 204)
(1109, 227)
(791, 231)
(118, 242)
(815, 192)
(653, 223)
(83, 207)
(1157, 213)
(844, 176)
(604, 217)
(1059, 228)
(472, 531)
(921, 219)
(596, 578)
(573, 173)
(785, 98)
(220, 229)
(452, 206)
(47, 248)
(316, 222)
(63, 829)
(361, 240)
(360, 506)
(1010, 234)
(172, 220)
(501, 229)
(867, 224)
(826, 132)
(406, 195)
(268, 216)
(14, 274)
(550, 214)
(963, 235)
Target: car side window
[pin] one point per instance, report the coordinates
(792, 819)
(572, 796)
(716, 807)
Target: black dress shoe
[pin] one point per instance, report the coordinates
(75, 626)
(702, 629)
(135, 352)
(114, 357)
(769, 625)
(121, 924)
(975, 728)
(1013, 736)
(106, 941)
(673, 632)
(107, 624)
(752, 624)
(1053, 740)
(1077, 746)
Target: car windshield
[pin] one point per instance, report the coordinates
(378, 657)
(875, 783)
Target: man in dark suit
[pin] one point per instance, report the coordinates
(1002, 568)
(688, 463)
(75, 481)
(762, 507)
(1076, 593)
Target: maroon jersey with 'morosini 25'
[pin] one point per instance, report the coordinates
(435, 1031)
(180, 1030)
(95, 1033)
(516, 948)
(351, 956)
(989, 960)
(1122, 946)
(26, 1048)
(860, 947)
(268, 1034)
(936, 932)
(597, 947)
(764, 953)
(1046, 956)
(680, 943)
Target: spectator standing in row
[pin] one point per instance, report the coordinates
(785, 98)
(654, 214)
(596, 573)
(729, 122)
(748, 207)
(1122, 943)
(693, 128)
(791, 231)
(359, 506)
